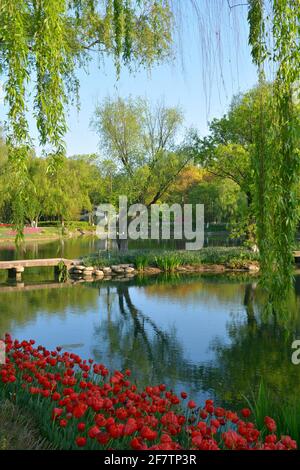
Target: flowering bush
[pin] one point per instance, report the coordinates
(79, 404)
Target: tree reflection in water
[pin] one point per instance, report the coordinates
(259, 351)
(259, 348)
(133, 340)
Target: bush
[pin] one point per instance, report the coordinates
(79, 224)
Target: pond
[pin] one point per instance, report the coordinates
(73, 248)
(203, 334)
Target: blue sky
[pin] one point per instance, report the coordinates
(212, 63)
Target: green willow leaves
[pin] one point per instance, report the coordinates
(274, 39)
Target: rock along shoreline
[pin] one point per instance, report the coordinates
(127, 271)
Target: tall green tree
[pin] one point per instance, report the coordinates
(274, 38)
(227, 150)
(140, 139)
(3, 148)
(76, 188)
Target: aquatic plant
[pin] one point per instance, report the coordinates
(141, 262)
(168, 262)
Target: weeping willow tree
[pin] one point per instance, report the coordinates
(274, 39)
(275, 42)
(42, 45)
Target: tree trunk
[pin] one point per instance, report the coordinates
(249, 303)
(122, 245)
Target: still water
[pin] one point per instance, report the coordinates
(203, 334)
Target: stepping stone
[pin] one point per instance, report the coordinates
(129, 270)
(98, 273)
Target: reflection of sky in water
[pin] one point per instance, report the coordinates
(196, 321)
(70, 326)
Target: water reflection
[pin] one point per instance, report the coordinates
(133, 340)
(206, 334)
(73, 248)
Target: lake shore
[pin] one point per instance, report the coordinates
(46, 234)
(151, 262)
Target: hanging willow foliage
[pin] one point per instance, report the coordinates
(42, 44)
(276, 166)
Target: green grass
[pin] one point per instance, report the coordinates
(141, 262)
(164, 259)
(286, 414)
(45, 233)
(18, 431)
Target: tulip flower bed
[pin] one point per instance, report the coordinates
(79, 404)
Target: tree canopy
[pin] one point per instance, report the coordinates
(227, 150)
(141, 140)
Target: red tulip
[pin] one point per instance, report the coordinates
(191, 404)
(81, 441)
(79, 410)
(270, 423)
(246, 412)
(93, 432)
(81, 427)
(114, 408)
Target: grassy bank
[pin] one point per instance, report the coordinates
(234, 258)
(7, 234)
(44, 232)
(18, 431)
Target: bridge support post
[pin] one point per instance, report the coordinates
(16, 273)
(56, 273)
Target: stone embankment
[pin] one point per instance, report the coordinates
(94, 273)
(127, 271)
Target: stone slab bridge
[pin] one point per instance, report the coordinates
(17, 267)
